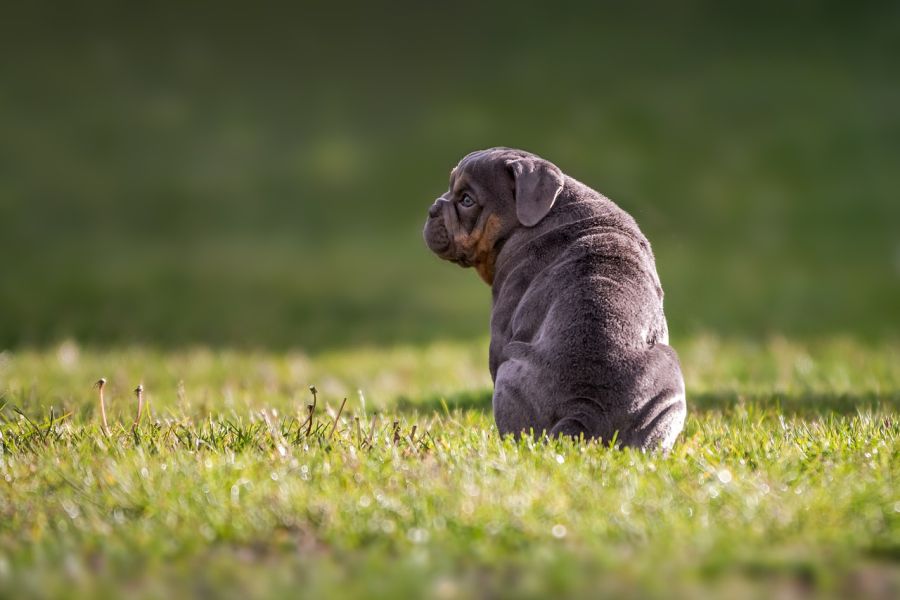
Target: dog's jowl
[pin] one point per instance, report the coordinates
(579, 342)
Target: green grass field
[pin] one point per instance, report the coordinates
(175, 177)
(784, 481)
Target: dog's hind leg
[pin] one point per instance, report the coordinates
(583, 417)
(658, 407)
(571, 427)
(515, 390)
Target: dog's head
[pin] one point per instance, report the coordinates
(492, 193)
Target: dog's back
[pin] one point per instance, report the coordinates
(578, 331)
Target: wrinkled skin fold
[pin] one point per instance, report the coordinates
(579, 341)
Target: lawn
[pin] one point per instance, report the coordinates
(783, 482)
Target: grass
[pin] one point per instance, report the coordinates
(784, 481)
(161, 183)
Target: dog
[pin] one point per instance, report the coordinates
(579, 341)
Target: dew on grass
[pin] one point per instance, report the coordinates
(417, 535)
(68, 354)
(72, 566)
(559, 531)
(445, 587)
(207, 532)
(724, 476)
(71, 509)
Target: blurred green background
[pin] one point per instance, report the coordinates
(241, 175)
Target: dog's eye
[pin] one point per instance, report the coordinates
(466, 201)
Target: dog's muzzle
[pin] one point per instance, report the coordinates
(437, 238)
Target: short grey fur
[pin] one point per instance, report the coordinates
(579, 340)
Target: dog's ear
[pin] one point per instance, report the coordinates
(538, 183)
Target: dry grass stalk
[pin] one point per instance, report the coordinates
(139, 392)
(337, 416)
(101, 383)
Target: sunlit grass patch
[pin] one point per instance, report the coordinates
(231, 485)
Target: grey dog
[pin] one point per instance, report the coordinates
(579, 340)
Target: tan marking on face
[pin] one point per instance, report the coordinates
(484, 257)
(485, 254)
(475, 247)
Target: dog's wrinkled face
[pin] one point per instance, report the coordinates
(492, 193)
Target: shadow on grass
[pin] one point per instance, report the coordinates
(804, 405)
(478, 400)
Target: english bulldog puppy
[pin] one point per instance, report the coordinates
(579, 341)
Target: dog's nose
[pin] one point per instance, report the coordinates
(435, 209)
